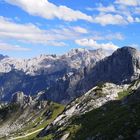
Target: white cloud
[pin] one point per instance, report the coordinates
(101, 8)
(137, 10)
(107, 36)
(105, 19)
(137, 19)
(106, 9)
(93, 44)
(130, 19)
(135, 46)
(30, 33)
(111, 36)
(9, 47)
(128, 2)
(80, 30)
(48, 10)
(22, 32)
(116, 14)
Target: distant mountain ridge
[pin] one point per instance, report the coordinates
(75, 59)
(46, 72)
(63, 78)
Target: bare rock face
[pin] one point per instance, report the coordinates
(57, 75)
(21, 99)
(123, 66)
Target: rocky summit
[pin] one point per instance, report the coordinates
(123, 66)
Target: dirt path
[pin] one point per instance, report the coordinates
(24, 136)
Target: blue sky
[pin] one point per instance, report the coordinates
(32, 27)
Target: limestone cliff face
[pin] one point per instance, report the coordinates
(123, 66)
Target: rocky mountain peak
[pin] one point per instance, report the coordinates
(127, 51)
(123, 66)
(130, 58)
(3, 56)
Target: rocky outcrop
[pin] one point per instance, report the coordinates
(21, 99)
(123, 66)
(94, 98)
(20, 116)
(97, 97)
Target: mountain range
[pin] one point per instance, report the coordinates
(63, 78)
(94, 90)
(48, 73)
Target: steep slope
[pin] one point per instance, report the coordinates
(105, 106)
(25, 116)
(123, 66)
(113, 120)
(58, 75)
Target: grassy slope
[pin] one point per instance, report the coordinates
(41, 120)
(56, 110)
(108, 122)
(117, 120)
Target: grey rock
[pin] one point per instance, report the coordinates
(56, 75)
(21, 99)
(122, 67)
(63, 78)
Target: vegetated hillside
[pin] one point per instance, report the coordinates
(106, 112)
(24, 120)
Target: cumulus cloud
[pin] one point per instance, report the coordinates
(80, 30)
(101, 8)
(23, 32)
(30, 33)
(137, 19)
(8, 47)
(105, 19)
(116, 36)
(107, 36)
(137, 10)
(128, 2)
(135, 46)
(106, 9)
(93, 44)
(130, 19)
(48, 10)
